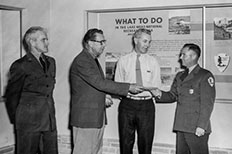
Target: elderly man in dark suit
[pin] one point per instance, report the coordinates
(194, 92)
(29, 96)
(88, 90)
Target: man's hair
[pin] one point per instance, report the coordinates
(138, 33)
(90, 35)
(28, 36)
(194, 48)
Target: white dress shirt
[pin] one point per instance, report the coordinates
(150, 70)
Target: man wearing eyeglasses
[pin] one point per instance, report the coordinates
(88, 95)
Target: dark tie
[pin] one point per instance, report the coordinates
(42, 62)
(185, 74)
(98, 64)
(139, 80)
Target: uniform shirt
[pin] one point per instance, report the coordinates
(195, 97)
(150, 70)
(29, 94)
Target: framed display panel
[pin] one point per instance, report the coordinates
(171, 28)
(10, 41)
(218, 45)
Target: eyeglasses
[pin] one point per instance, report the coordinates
(101, 42)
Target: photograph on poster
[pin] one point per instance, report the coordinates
(179, 22)
(222, 28)
(167, 27)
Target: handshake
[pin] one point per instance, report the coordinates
(135, 89)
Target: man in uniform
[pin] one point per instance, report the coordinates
(194, 92)
(29, 96)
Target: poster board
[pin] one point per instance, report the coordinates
(171, 28)
(10, 41)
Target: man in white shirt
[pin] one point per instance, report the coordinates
(137, 112)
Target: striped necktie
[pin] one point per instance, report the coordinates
(139, 80)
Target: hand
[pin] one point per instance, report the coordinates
(135, 89)
(108, 101)
(156, 92)
(199, 132)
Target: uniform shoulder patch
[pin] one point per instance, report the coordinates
(211, 81)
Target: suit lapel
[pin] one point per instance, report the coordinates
(92, 60)
(99, 67)
(34, 62)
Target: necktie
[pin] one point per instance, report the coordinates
(138, 72)
(98, 65)
(185, 74)
(42, 62)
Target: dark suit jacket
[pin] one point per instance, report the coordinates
(29, 94)
(195, 97)
(88, 88)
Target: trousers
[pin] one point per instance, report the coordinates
(136, 116)
(30, 142)
(189, 143)
(87, 140)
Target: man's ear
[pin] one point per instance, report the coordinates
(194, 57)
(90, 43)
(135, 40)
(32, 42)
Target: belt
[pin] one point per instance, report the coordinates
(139, 98)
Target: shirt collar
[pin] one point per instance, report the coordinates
(192, 67)
(141, 55)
